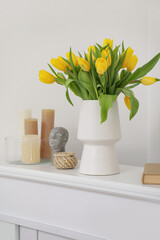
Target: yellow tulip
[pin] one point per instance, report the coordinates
(148, 80)
(46, 77)
(84, 64)
(109, 60)
(101, 65)
(105, 52)
(108, 41)
(91, 47)
(132, 61)
(60, 64)
(74, 58)
(93, 50)
(127, 102)
(87, 54)
(128, 55)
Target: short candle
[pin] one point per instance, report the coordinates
(30, 149)
(31, 126)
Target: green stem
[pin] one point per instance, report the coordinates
(109, 80)
(105, 83)
(134, 81)
(93, 84)
(131, 82)
(101, 81)
(70, 73)
(133, 85)
(58, 81)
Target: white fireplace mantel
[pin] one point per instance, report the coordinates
(63, 204)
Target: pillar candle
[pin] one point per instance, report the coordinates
(31, 126)
(47, 124)
(30, 149)
(22, 116)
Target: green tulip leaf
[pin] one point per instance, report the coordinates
(106, 102)
(133, 100)
(59, 81)
(114, 56)
(68, 82)
(85, 56)
(77, 88)
(67, 61)
(121, 60)
(97, 52)
(124, 75)
(107, 45)
(123, 46)
(98, 45)
(68, 97)
(93, 73)
(80, 55)
(85, 79)
(53, 70)
(115, 83)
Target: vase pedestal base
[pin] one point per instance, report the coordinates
(99, 160)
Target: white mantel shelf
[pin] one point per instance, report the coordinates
(128, 183)
(64, 204)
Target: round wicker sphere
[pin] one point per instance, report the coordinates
(65, 160)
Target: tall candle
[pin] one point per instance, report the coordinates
(47, 124)
(30, 149)
(31, 126)
(22, 116)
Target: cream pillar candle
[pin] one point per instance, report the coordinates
(22, 116)
(31, 126)
(30, 149)
(47, 124)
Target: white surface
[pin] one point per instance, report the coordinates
(127, 183)
(32, 32)
(28, 234)
(8, 231)
(47, 236)
(75, 206)
(90, 127)
(98, 155)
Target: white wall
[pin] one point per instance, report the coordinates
(154, 92)
(34, 31)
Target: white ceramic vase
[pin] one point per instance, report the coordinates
(98, 156)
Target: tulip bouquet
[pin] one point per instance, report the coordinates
(101, 74)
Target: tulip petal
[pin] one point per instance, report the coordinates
(148, 80)
(127, 102)
(46, 77)
(84, 64)
(132, 63)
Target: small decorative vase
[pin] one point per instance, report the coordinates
(98, 156)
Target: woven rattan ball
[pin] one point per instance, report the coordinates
(65, 160)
